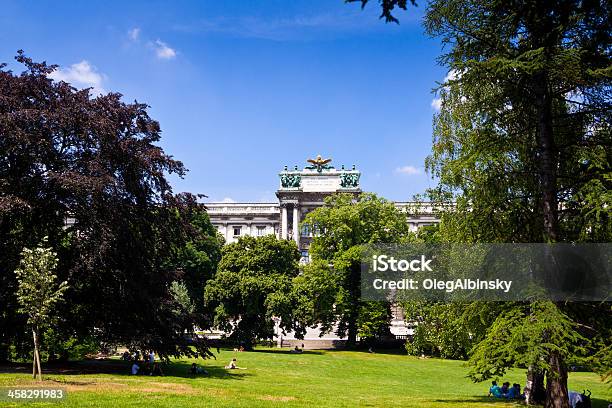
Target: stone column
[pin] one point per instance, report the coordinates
(283, 221)
(296, 224)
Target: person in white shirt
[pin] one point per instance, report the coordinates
(151, 357)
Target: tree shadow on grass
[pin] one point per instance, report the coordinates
(284, 351)
(596, 402)
(122, 368)
(479, 399)
(390, 351)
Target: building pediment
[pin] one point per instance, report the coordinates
(319, 177)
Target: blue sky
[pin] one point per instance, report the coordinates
(242, 88)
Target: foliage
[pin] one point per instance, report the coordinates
(197, 260)
(38, 292)
(181, 298)
(440, 330)
(252, 285)
(60, 346)
(387, 7)
(520, 336)
(313, 297)
(373, 320)
(344, 224)
(521, 144)
(88, 173)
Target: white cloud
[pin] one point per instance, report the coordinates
(81, 75)
(452, 75)
(436, 103)
(409, 170)
(163, 51)
(134, 34)
(228, 200)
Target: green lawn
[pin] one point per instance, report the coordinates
(275, 378)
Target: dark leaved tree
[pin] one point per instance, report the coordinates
(87, 173)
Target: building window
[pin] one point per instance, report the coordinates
(305, 230)
(237, 230)
(261, 230)
(304, 254)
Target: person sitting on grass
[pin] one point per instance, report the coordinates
(195, 370)
(515, 392)
(495, 390)
(296, 350)
(232, 365)
(135, 368)
(505, 388)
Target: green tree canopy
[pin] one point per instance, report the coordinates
(342, 226)
(38, 293)
(251, 286)
(522, 146)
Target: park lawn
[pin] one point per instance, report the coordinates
(277, 378)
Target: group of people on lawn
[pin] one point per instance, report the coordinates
(576, 399)
(505, 391)
(148, 365)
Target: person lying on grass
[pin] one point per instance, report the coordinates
(195, 370)
(232, 365)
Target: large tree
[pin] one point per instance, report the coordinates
(88, 173)
(252, 286)
(522, 143)
(342, 226)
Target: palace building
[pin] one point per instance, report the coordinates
(299, 192)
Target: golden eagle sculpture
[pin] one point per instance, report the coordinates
(319, 163)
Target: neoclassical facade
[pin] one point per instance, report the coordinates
(299, 192)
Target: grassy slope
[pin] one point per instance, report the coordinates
(311, 379)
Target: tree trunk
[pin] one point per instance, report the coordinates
(351, 333)
(535, 393)
(37, 369)
(547, 158)
(556, 376)
(556, 383)
(38, 363)
(355, 294)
